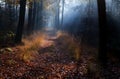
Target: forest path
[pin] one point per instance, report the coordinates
(57, 60)
(53, 54)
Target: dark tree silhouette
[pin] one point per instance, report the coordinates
(62, 18)
(18, 36)
(30, 16)
(34, 13)
(57, 23)
(103, 30)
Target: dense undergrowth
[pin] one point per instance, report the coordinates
(6, 38)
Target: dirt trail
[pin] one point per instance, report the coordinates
(58, 57)
(56, 60)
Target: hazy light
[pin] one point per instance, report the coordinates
(72, 8)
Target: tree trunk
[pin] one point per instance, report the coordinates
(63, 1)
(18, 37)
(34, 13)
(57, 15)
(103, 31)
(30, 10)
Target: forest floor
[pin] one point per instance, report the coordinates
(59, 56)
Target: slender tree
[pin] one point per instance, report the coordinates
(30, 12)
(57, 22)
(40, 14)
(34, 13)
(63, 2)
(103, 31)
(18, 37)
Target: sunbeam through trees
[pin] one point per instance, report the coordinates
(59, 39)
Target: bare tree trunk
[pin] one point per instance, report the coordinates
(34, 13)
(40, 15)
(18, 37)
(63, 1)
(57, 24)
(103, 31)
(30, 10)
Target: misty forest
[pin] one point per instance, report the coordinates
(59, 39)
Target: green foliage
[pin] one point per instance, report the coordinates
(10, 34)
(6, 37)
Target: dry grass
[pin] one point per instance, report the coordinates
(70, 43)
(32, 44)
